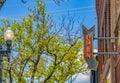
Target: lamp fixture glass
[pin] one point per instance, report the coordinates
(8, 35)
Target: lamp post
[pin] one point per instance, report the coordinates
(8, 36)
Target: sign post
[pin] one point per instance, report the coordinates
(88, 47)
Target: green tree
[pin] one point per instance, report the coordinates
(40, 51)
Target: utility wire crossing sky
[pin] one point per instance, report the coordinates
(85, 9)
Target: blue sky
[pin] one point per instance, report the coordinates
(14, 9)
(84, 9)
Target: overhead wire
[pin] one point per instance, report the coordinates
(72, 9)
(77, 12)
(66, 11)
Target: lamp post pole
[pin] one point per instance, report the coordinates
(8, 36)
(9, 51)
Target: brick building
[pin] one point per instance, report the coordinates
(108, 13)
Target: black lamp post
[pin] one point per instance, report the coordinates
(8, 36)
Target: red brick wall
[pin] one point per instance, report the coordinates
(117, 58)
(112, 21)
(102, 47)
(118, 71)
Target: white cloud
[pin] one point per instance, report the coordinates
(82, 78)
(95, 50)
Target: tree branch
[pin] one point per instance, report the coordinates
(35, 68)
(64, 55)
(49, 76)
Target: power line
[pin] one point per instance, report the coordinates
(74, 12)
(72, 9)
(51, 14)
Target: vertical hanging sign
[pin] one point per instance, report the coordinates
(88, 47)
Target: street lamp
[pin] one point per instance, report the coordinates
(8, 36)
